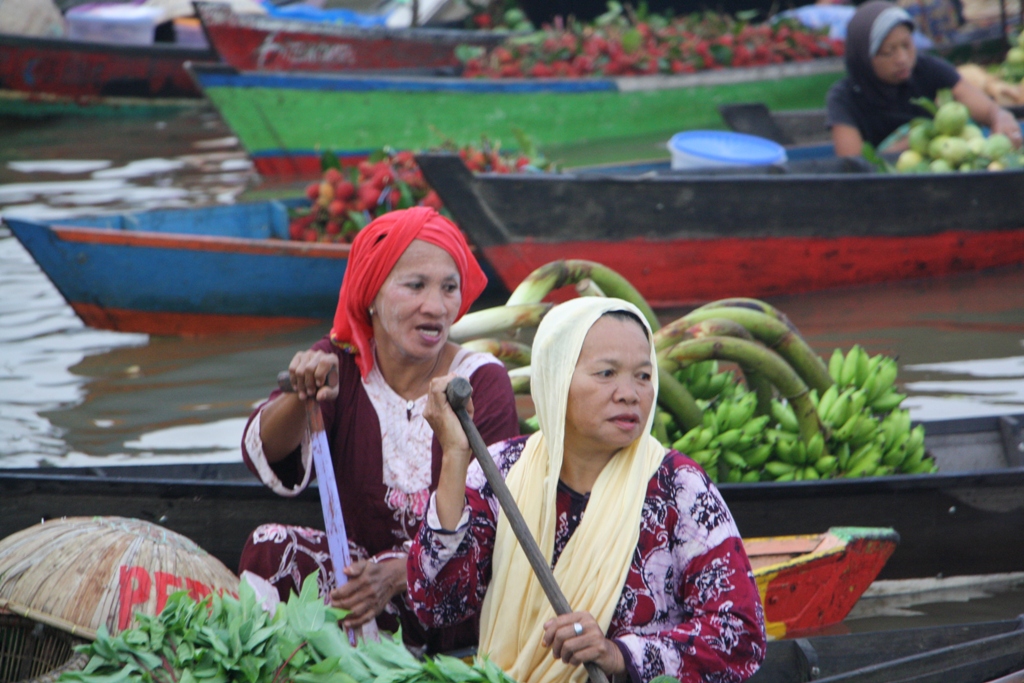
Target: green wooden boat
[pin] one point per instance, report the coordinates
(285, 120)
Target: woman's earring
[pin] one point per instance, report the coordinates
(371, 311)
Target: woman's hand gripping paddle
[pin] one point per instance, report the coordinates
(459, 390)
(334, 523)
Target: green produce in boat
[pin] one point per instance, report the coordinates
(951, 142)
(225, 638)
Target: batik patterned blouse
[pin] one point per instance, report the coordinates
(689, 607)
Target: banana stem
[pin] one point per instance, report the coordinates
(556, 274)
(760, 385)
(772, 332)
(513, 354)
(587, 287)
(520, 378)
(493, 321)
(722, 327)
(752, 304)
(675, 398)
(660, 431)
(763, 361)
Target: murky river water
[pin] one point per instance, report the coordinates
(70, 395)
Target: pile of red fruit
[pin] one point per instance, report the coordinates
(656, 45)
(344, 200)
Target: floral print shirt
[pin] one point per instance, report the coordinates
(689, 607)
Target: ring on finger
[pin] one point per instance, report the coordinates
(577, 628)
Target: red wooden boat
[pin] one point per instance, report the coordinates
(813, 581)
(686, 237)
(79, 72)
(252, 42)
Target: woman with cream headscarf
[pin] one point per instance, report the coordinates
(639, 538)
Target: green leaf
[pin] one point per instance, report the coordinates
(250, 668)
(405, 193)
(336, 676)
(526, 144)
(122, 676)
(491, 671)
(214, 640)
(260, 637)
(307, 616)
(331, 642)
(925, 104)
(464, 53)
(328, 160)
(611, 16)
(360, 218)
(868, 152)
(455, 669)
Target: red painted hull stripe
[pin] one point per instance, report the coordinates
(683, 272)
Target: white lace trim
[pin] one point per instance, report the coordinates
(405, 435)
(254, 445)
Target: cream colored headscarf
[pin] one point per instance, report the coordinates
(592, 568)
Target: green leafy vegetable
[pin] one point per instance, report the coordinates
(224, 639)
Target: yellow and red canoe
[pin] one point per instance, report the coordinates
(812, 581)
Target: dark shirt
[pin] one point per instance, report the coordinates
(846, 105)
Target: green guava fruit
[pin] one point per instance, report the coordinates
(996, 146)
(951, 118)
(908, 160)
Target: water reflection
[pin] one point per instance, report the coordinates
(174, 397)
(41, 339)
(54, 170)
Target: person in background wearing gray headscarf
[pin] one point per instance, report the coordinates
(884, 74)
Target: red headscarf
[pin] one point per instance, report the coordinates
(375, 251)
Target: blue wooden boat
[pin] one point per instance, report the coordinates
(188, 271)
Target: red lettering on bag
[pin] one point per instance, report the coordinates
(163, 582)
(197, 590)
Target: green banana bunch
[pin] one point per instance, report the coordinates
(870, 435)
(704, 381)
(864, 431)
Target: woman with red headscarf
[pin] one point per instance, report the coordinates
(410, 276)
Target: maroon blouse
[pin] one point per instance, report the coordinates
(373, 526)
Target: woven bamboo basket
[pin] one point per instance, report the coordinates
(31, 652)
(63, 579)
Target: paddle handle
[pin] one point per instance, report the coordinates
(458, 392)
(330, 502)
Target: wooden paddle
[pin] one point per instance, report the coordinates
(334, 522)
(459, 390)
